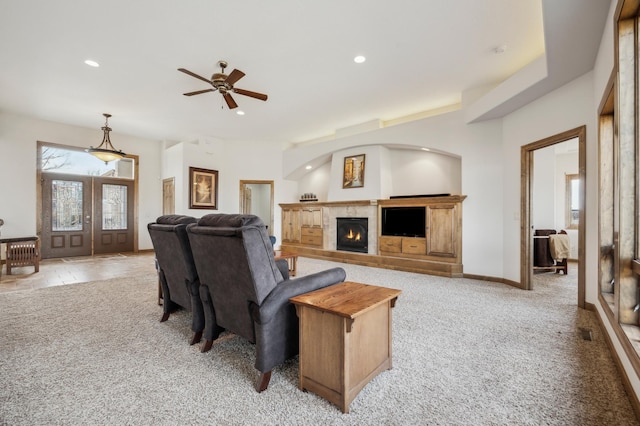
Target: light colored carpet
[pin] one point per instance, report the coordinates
(465, 353)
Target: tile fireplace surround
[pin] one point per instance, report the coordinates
(330, 224)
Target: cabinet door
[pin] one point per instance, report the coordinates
(312, 217)
(291, 225)
(442, 228)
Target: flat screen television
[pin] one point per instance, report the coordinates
(403, 221)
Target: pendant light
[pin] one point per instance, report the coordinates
(105, 151)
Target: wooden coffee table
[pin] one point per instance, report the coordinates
(345, 338)
(291, 258)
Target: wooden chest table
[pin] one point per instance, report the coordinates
(345, 338)
(23, 251)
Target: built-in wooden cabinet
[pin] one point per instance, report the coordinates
(291, 225)
(443, 230)
(438, 252)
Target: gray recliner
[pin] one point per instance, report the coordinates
(247, 290)
(177, 272)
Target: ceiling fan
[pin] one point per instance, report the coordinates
(224, 84)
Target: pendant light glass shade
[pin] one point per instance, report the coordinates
(105, 151)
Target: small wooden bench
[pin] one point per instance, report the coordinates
(24, 251)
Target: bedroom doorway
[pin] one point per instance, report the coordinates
(528, 201)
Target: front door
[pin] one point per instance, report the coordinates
(113, 224)
(66, 215)
(84, 215)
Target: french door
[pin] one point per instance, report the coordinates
(85, 215)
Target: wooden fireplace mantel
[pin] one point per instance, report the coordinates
(307, 230)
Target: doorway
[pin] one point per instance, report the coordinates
(85, 208)
(256, 197)
(527, 231)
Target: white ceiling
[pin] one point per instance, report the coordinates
(421, 55)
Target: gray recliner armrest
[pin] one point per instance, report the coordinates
(289, 288)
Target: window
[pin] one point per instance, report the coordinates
(58, 159)
(619, 147)
(572, 205)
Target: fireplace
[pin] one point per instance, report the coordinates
(352, 234)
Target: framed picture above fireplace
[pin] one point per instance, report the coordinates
(353, 175)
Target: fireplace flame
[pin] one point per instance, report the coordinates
(352, 236)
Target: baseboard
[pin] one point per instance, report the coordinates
(626, 383)
(494, 279)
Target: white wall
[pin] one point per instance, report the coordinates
(416, 172)
(543, 192)
(568, 107)
(372, 188)
(234, 162)
(477, 145)
(18, 155)
(316, 182)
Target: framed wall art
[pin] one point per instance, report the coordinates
(353, 175)
(203, 189)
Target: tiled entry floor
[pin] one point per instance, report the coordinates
(77, 269)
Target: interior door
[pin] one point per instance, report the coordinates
(66, 215)
(168, 196)
(113, 207)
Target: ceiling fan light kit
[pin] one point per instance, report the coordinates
(105, 151)
(223, 83)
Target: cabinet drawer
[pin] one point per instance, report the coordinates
(312, 240)
(311, 232)
(390, 244)
(414, 245)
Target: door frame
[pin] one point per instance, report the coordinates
(526, 183)
(136, 168)
(243, 185)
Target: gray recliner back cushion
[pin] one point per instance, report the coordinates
(236, 263)
(173, 252)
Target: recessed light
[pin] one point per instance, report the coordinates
(359, 59)
(92, 63)
(308, 167)
(240, 112)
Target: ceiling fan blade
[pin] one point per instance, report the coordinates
(249, 93)
(198, 92)
(194, 75)
(234, 76)
(230, 102)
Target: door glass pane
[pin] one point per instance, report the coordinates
(114, 207)
(66, 205)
